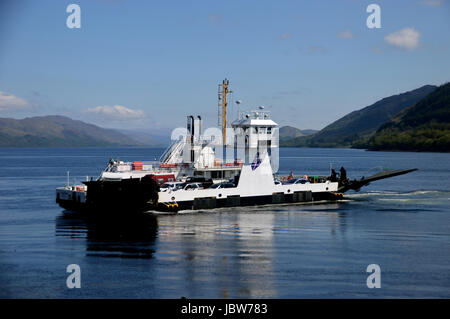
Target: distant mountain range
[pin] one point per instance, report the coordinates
(149, 137)
(356, 128)
(422, 127)
(58, 131)
(62, 131)
(288, 132)
(417, 120)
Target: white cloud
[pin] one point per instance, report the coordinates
(117, 112)
(347, 34)
(432, 3)
(407, 38)
(9, 102)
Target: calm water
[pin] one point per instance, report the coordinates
(312, 251)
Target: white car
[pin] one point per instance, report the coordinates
(169, 186)
(293, 181)
(223, 185)
(189, 186)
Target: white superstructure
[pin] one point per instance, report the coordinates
(254, 181)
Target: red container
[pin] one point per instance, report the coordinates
(137, 166)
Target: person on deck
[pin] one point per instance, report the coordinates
(343, 175)
(333, 177)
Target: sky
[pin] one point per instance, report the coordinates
(146, 65)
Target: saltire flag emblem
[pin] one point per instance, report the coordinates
(256, 162)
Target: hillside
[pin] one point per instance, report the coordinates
(357, 127)
(57, 131)
(149, 138)
(422, 127)
(287, 133)
(309, 132)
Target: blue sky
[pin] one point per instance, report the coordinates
(148, 64)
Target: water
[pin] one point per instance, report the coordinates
(291, 251)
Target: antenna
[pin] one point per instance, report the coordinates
(238, 102)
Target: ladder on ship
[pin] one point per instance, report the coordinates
(172, 151)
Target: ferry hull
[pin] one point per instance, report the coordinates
(237, 201)
(127, 196)
(198, 203)
(123, 196)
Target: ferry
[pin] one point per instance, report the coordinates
(234, 166)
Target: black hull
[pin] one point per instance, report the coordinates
(126, 207)
(71, 205)
(237, 201)
(126, 196)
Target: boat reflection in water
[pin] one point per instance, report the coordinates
(123, 237)
(225, 253)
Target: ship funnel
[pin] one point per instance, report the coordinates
(199, 126)
(188, 125)
(191, 131)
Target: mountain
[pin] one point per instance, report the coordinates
(358, 126)
(422, 127)
(58, 131)
(287, 133)
(149, 138)
(309, 132)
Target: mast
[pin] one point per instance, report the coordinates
(222, 108)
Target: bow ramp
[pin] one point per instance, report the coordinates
(364, 181)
